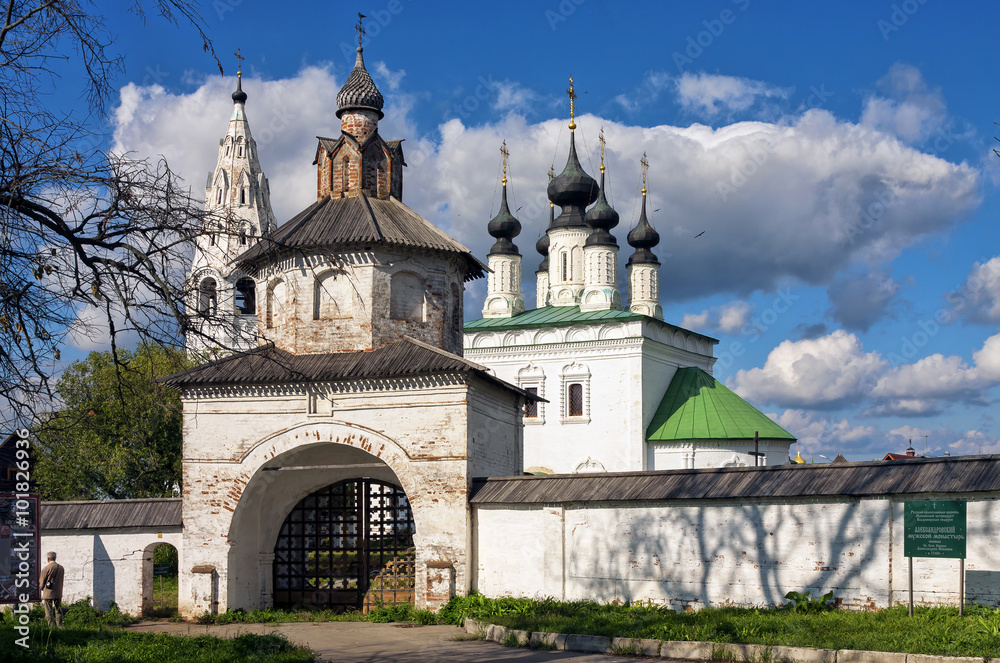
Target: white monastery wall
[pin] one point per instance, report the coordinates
(699, 553)
(108, 565)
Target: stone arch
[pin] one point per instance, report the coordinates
(487, 340)
(609, 332)
(252, 533)
(692, 344)
(581, 334)
(149, 578)
(546, 336)
(333, 295)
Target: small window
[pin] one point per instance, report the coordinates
(207, 297)
(218, 196)
(531, 406)
(575, 400)
(246, 297)
(565, 266)
(243, 199)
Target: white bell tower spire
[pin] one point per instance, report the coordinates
(239, 200)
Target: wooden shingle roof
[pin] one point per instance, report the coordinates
(163, 512)
(963, 474)
(358, 220)
(271, 365)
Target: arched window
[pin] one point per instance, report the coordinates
(208, 298)
(406, 297)
(239, 146)
(564, 262)
(345, 175)
(246, 296)
(243, 197)
(218, 196)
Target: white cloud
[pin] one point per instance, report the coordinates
(712, 94)
(391, 78)
(978, 299)
(819, 435)
(729, 318)
(809, 177)
(910, 109)
(828, 371)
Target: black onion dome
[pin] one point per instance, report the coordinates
(572, 189)
(642, 238)
(542, 245)
(239, 97)
(505, 227)
(359, 91)
(602, 217)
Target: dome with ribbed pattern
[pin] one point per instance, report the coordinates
(359, 91)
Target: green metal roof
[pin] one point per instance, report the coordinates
(560, 316)
(696, 406)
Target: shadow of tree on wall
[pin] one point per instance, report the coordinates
(690, 555)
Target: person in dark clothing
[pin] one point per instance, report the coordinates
(51, 583)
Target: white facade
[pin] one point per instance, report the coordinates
(623, 369)
(503, 298)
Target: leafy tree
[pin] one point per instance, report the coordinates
(118, 434)
(90, 243)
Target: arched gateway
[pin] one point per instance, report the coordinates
(340, 541)
(273, 430)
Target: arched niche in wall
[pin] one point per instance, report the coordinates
(407, 297)
(333, 296)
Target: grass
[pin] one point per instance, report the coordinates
(93, 636)
(164, 598)
(938, 631)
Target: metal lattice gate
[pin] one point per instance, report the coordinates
(340, 539)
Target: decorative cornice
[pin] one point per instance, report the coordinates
(357, 386)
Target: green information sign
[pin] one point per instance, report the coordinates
(164, 569)
(934, 528)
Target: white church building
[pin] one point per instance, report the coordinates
(349, 440)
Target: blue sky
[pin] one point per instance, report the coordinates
(837, 156)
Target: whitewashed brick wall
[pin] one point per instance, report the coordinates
(698, 553)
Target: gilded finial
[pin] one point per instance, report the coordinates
(239, 58)
(360, 28)
(645, 167)
(572, 106)
(504, 153)
(600, 139)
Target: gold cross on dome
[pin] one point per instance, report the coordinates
(360, 27)
(645, 167)
(239, 58)
(505, 153)
(572, 106)
(552, 172)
